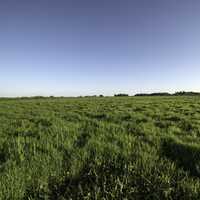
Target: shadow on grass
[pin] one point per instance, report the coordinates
(2, 160)
(186, 156)
(174, 118)
(82, 140)
(87, 183)
(3, 156)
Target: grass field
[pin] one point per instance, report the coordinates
(100, 148)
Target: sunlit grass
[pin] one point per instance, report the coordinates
(100, 148)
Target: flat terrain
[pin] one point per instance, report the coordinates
(100, 148)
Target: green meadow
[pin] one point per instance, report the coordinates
(100, 148)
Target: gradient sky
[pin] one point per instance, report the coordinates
(86, 47)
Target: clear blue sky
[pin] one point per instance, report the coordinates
(85, 47)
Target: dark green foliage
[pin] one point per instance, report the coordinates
(100, 148)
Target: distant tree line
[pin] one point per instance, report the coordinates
(154, 94)
(121, 95)
(181, 93)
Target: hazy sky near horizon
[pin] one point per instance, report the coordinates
(85, 47)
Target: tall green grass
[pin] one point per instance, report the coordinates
(100, 148)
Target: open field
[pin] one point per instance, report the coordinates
(100, 148)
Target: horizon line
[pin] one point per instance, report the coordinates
(97, 95)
